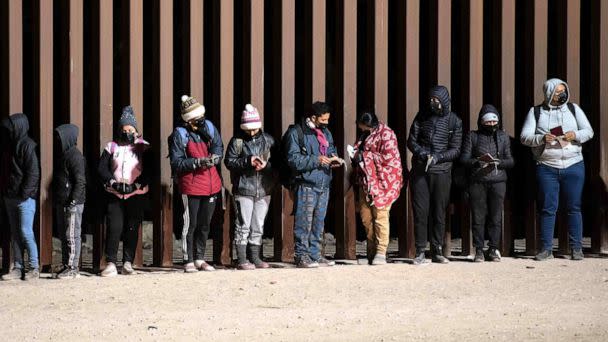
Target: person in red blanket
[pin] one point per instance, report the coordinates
(379, 176)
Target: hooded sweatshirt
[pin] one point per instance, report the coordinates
(69, 177)
(551, 116)
(497, 144)
(24, 170)
(432, 134)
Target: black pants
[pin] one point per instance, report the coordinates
(123, 219)
(487, 201)
(196, 230)
(430, 199)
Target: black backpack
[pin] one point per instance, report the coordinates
(286, 175)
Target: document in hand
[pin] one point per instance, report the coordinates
(557, 131)
(336, 161)
(487, 158)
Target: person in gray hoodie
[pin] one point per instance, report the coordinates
(556, 132)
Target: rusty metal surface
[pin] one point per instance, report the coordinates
(412, 74)
(279, 74)
(196, 49)
(256, 61)
(381, 58)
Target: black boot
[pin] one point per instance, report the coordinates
(254, 254)
(241, 254)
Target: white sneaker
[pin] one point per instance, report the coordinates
(110, 270)
(201, 265)
(189, 268)
(127, 269)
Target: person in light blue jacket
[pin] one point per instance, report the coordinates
(556, 132)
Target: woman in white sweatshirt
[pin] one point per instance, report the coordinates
(556, 131)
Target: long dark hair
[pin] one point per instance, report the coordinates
(368, 118)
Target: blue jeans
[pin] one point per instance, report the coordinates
(570, 182)
(20, 215)
(311, 208)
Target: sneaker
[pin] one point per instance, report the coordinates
(494, 255)
(544, 255)
(306, 262)
(438, 257)
(201, 265)
(379, 259)
(68, 273)
(33, 274)
(325, 263)
(110, 270)
(420, 259)
(262, 264)
(127, 268)
(577, 254)
(190, 268)
(246, 266)
(14, 274)
(479, 257)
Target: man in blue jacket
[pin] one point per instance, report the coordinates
(310, 150)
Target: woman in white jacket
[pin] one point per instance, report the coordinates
(556, 131)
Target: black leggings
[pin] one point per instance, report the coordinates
(196, 230)
(123, 218)
(487, 202)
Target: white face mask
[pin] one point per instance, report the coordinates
(310, 124)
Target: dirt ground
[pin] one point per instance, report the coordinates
(514, 300)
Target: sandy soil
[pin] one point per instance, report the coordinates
(517, 299)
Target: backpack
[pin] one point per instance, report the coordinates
(286, 175)
(185, 136)
(239, 144)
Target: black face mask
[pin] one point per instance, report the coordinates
(435, 108)
(322, 125)
(562, 98)
(197, 126)
(127, 137)
(489, 129)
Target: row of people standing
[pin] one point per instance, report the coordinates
(555, 130)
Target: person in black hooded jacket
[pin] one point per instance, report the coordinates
(69, 183)
(19, 192)
(486, 153)
(434, 139)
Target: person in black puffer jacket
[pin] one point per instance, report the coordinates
(249, 159)
(487, 154)
(434, 139)
(69, 182)
(19, 191)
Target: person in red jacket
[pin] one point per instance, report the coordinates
(195, 151)
(379, 176)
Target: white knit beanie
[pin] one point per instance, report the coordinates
(250, 119)
(191, 109)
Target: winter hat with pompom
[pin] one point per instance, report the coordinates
(250, 119)
(191, 109)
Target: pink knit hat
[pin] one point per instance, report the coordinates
(250, 119)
